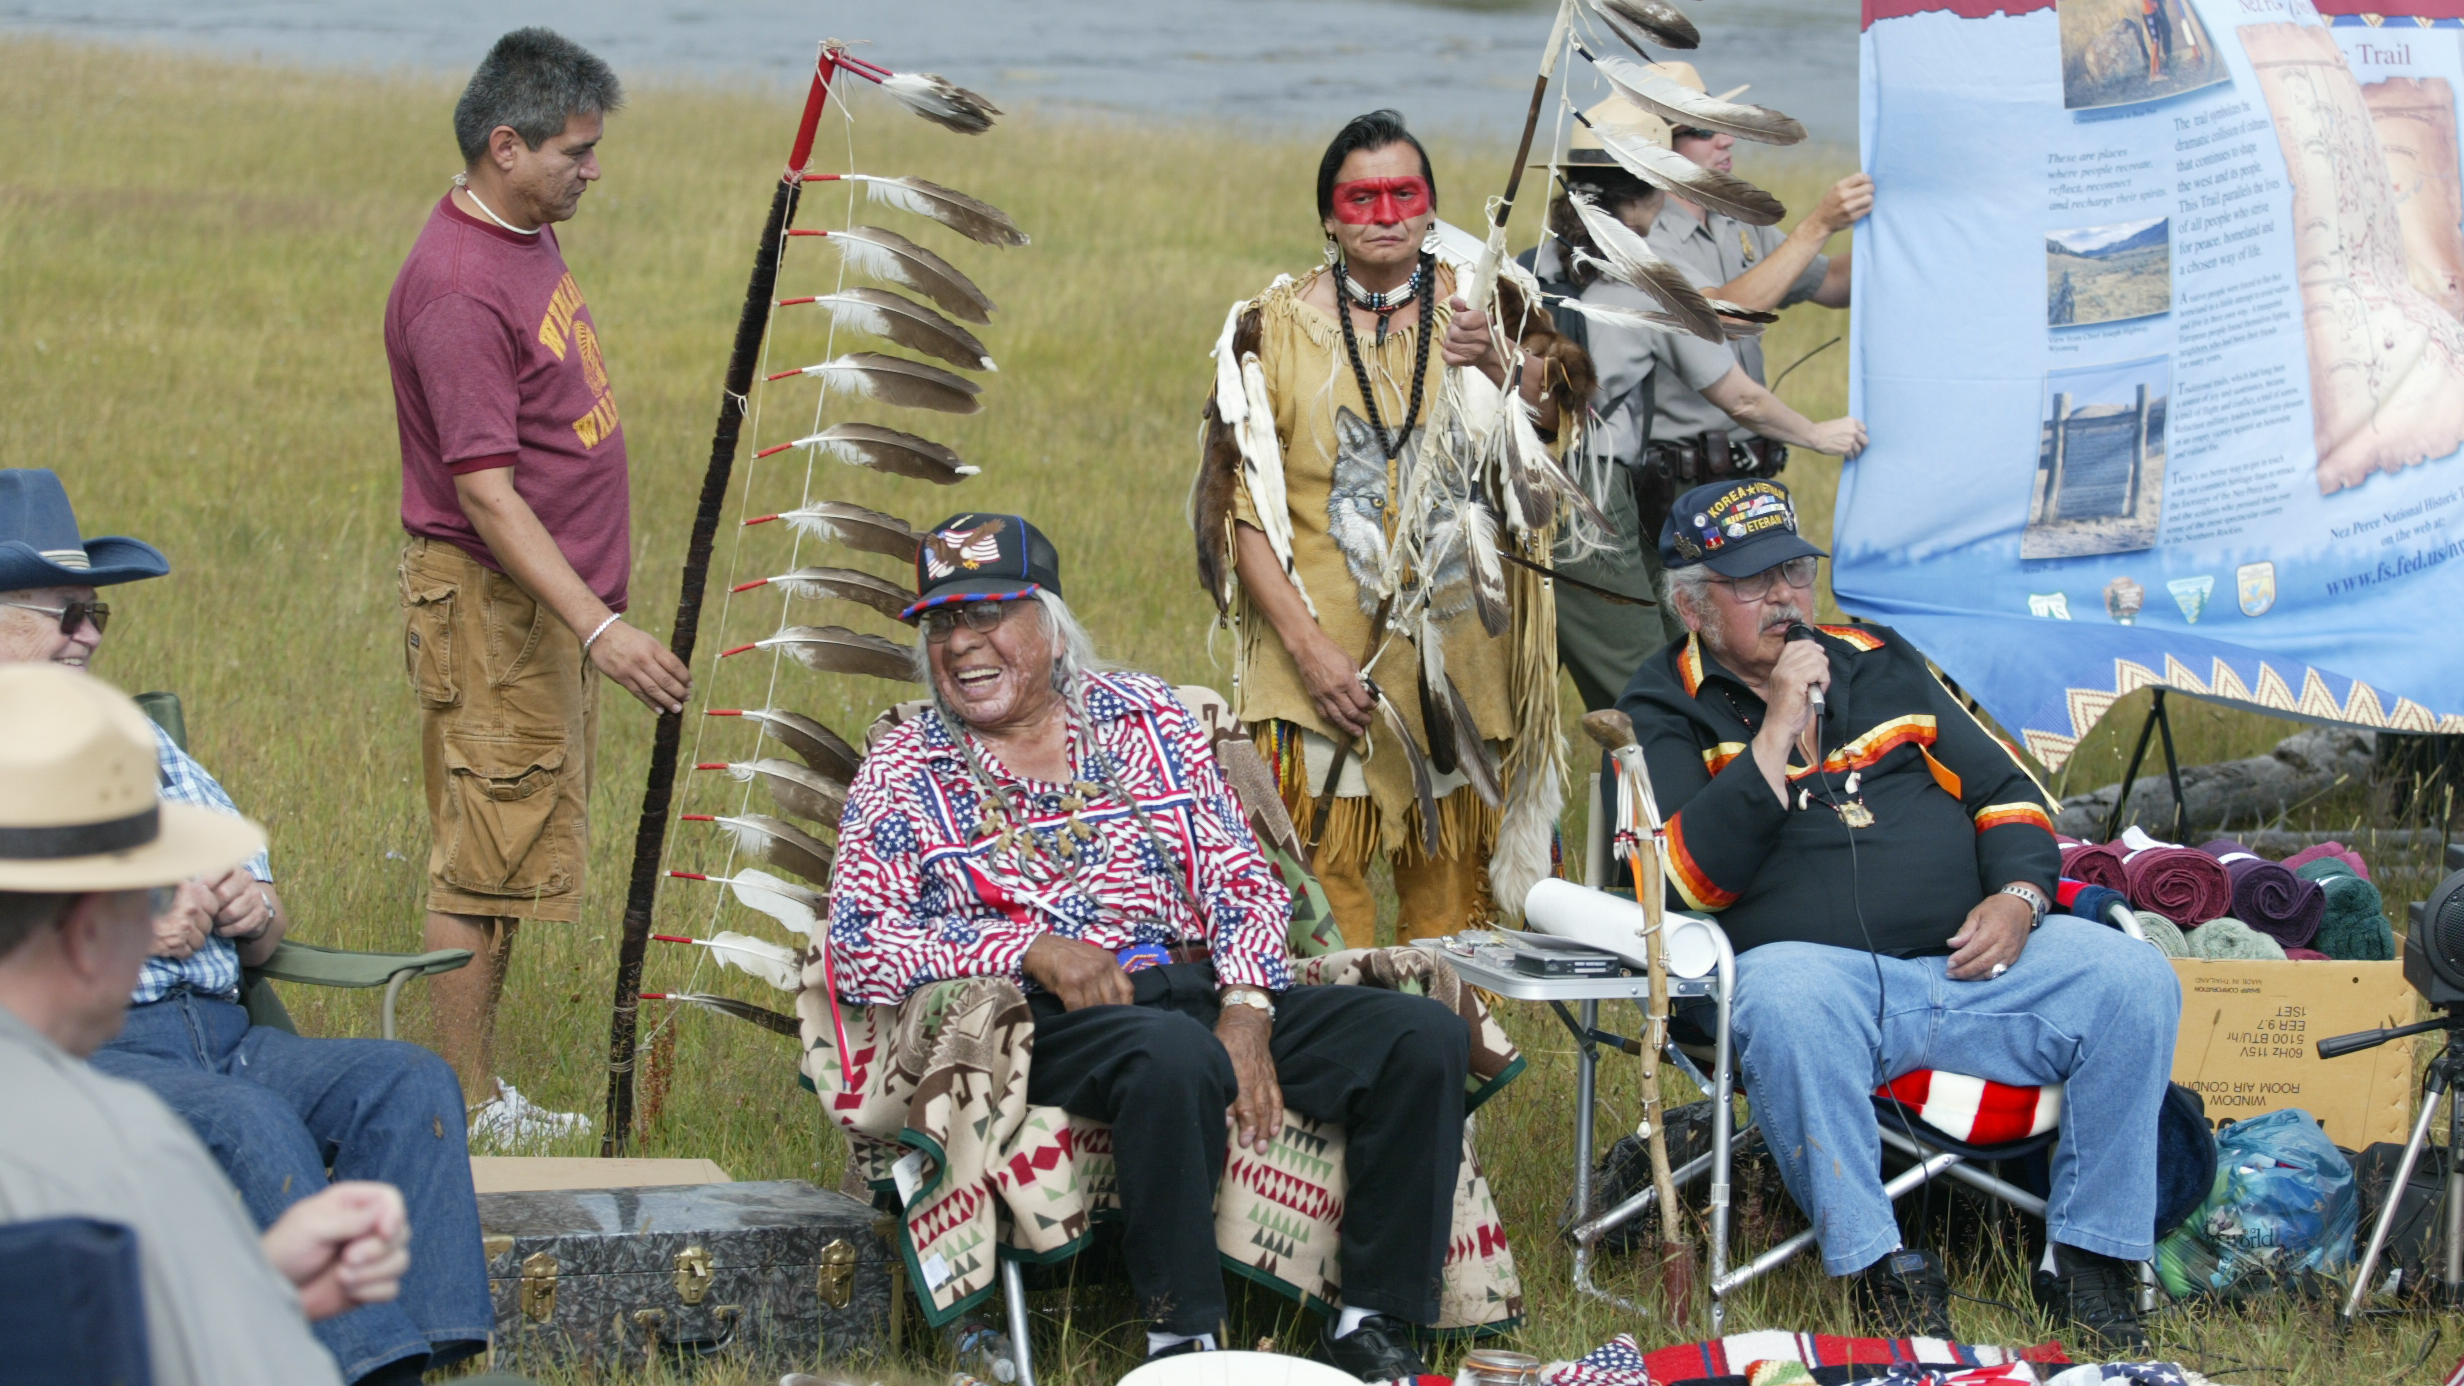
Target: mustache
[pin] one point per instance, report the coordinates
(1788, 615)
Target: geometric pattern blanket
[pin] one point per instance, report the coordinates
(932, 1093)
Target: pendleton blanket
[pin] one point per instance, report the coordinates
(932, 1094)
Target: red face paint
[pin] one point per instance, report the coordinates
(1380, 201)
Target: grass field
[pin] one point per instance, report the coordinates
(193, 263)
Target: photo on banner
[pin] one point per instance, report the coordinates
(2159, 337)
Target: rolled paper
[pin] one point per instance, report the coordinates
(2268, 897)
(2230, 939)
(2328, 851)
(2164, 933)
(2096, 864)
(2183, 884)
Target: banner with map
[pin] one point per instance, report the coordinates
(2159, 332)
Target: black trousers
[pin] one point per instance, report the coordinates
(1387, 1066)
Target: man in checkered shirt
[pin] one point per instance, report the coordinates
(276, 1110)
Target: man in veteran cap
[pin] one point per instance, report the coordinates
(278, 1111)
(1886, 868)
(83, 838)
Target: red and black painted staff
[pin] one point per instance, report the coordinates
(650, 835)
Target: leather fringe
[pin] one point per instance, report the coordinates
(1356, 826)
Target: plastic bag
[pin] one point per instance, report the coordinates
(2282, 1211)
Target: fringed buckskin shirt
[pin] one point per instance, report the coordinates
(1954, 816)
(921, 892)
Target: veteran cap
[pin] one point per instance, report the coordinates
(974, 557)
(1734, 528)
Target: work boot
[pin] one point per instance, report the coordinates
(1379, 1350)
(1904, 1295)
(2097, 1295)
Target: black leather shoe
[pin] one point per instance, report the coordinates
(1904, 1295)
(2097, 1295)
(1379, 1350)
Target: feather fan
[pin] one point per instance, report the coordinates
(1627, 258)
(1683, 105)
(806, 793)
(837, 522)
(885, 254)
(778, 842)
(762, 1016)
(944, 102)
(896, 380)
(1471, 750)
(818, 746)
(888, 450)
(1638, 21)
(838, 650)
(1665, 168)
(904, 321)
(1423, 784)
(969, 217)
(839, 584)
(1436, 714)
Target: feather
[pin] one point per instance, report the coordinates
(776, 963)
(1488, 573)
(1546, 475)
(807, 794)
(838, 650)
(1665, 168)
(1231, 398)
(778, 842)
(1735, 322)
(762, 1016)
(1638, 21)
(896, 380)
(839, 584)
(794, 906)
(1471, 750)
(1423, 784)
(1436, 714)
(1262, 469)
(1626, 257)
(943, 102)
(904, 321)
(818, 746)
(1683, 105)
(885, 254)
(888, 450)
(837, 522)
(1521, 856)
(979, 221)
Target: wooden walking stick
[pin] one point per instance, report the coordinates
(1638, 839)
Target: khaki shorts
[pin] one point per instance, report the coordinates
(508, 724)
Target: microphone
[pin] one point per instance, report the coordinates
(1798, 630)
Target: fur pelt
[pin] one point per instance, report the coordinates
(1218, 480)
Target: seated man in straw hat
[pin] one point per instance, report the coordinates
(83, 838)
(277, 1110)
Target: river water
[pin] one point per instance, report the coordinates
(1279, 65)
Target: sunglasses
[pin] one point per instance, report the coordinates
(73, 615)
(1797, 572)
(941, 622)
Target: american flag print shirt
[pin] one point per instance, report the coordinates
(921, 894)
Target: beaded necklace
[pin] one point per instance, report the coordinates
(1424, 282)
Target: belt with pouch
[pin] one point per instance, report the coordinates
(1672, 466)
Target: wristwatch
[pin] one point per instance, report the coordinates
(2038, 905)
(1248, 996)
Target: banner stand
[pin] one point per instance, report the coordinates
(2157, 720)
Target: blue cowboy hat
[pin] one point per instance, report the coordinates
(40, 546)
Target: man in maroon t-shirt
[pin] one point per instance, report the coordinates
(514, 495)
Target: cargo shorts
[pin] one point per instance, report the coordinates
(508, 728)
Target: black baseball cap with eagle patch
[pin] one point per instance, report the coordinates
(973, 557)
(1734, 528)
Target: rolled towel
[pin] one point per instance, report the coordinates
(2353, 926)
(2269, 898)
(2323, 869)
(2183, 884)
(2164, 933)
(2304, 955)
(2093, 902)
(2230, 939)
(2327, 851)
(2096, 864)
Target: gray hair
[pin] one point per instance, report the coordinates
(1687, 590)
(532, 80)
(1073, 655)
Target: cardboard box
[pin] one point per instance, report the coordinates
(2249, 1038)
(526, 1174)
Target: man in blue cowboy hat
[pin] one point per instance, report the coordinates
(276, 1110)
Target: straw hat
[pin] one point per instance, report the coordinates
(79, 805)
(1583, 148)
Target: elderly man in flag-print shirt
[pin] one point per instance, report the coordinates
(1886, 869)
(1070, 828)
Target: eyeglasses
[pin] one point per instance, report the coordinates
(941, 622)
(73, 615)
(1796, 572)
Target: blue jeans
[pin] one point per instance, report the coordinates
(277, 1111)
(2085, 1006)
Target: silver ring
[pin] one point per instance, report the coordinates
(1998, 970)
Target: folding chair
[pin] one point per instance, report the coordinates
(309, 964)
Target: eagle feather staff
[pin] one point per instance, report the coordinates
(837, 522)
(904, 321)
(970, 217)
(885, 254)
(778, 842)
(838, 584)
(817, 745)
(838, 650)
